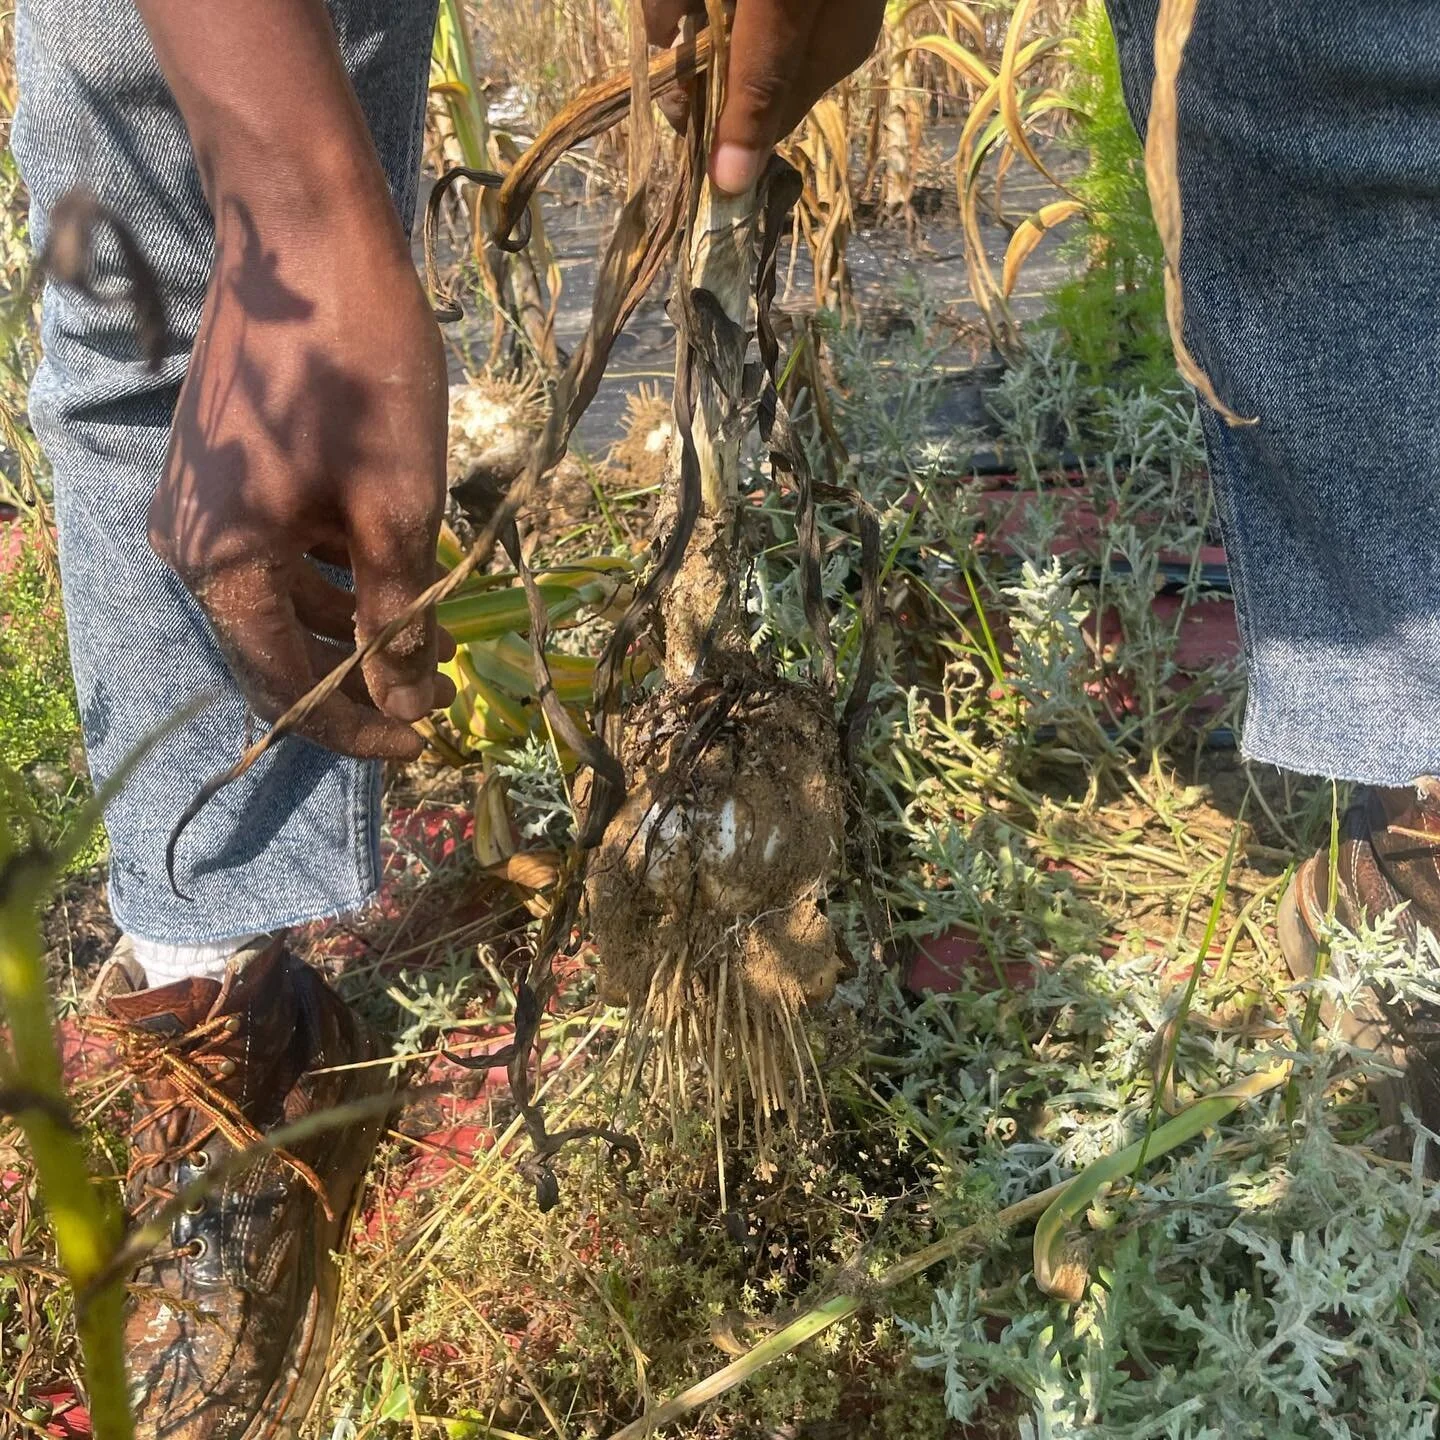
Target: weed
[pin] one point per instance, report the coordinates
(1111, 315)
(39, 723)
(1275, 1281)
(539, 804)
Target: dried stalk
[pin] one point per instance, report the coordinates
(84, 1219)
(511, 281)
(701, 610)
(1162, 177)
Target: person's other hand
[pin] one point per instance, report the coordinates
(312, 426)
(784, 55)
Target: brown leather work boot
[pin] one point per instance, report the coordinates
(229, 1325)
(1387, 858)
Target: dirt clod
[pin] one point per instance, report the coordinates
(707, 894)
(494, 424)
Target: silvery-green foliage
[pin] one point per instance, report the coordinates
(1046, 616)
(887, 402)
(1271, 1279)
(957, 1337)
(1037, 405)
(539, 804)
(1270, 1282)
(430, 999)
(1378, 956)
(1140, 456)
(1079, 624)
(1151, 433)
(1044, 412)
(886, 410)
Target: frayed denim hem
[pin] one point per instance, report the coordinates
(205, 935)
(263, 896)
(1368, 714)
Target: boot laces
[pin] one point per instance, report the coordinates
(177, 1075)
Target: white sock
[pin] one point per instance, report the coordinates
(165, 964)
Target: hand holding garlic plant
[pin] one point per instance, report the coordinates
(783, 56)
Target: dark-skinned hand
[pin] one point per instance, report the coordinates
(784, 55)
(311, 425)
(312, 419)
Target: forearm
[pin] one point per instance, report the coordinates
(278, 134)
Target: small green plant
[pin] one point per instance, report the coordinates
(83, 1217)
(39, 724)
(1111, 316)
(20, 464)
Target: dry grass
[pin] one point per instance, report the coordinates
(468, 1304)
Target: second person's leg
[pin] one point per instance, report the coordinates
(1309, 165)
(1309, 154)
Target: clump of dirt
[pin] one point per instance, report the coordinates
(644, 449)
(706, 896)
(494, 425)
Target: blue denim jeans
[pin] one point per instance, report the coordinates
(1309, 150)
(297, 838)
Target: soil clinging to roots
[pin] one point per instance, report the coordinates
(706, 895)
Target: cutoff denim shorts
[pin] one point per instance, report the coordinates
(297, 838)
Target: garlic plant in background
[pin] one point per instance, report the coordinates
(1001, 69)
(522, 290)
